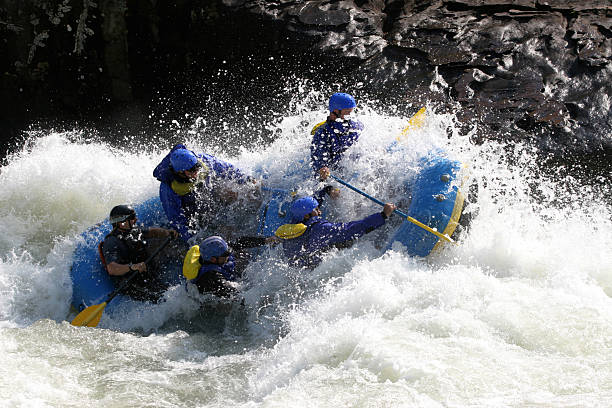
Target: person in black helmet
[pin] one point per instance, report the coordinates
(124, 251)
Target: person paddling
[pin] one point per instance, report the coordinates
(310, 236)
(214, 266)
(193, 185)
(334, 136)
(124, 251)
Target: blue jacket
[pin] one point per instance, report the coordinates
(213, 278)
(321, 235)
(180, 208)
(331, 140)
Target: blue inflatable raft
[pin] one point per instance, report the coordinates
(437, 201)
(91, 284)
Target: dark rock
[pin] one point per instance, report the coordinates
(515, 65)
(512, 68)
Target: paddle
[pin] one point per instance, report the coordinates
(398, 212)
(415, 122)
(91, 316)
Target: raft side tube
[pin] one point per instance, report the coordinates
(436, 202)
(91, 284)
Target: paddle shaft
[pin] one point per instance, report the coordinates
(396, 211)
(127, 281)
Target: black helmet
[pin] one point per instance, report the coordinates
(121, 213)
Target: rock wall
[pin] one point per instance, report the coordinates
(511, 69)
(523, 68)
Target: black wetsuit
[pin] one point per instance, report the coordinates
(130, 247)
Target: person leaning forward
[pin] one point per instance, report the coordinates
(124, 251)
(188, 184)
(214, 265)
(310, 235)
(334, 136)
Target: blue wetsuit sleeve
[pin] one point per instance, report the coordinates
(224, 169)
(319, 148)
(333, 233)
(172, 207)
(356, 126)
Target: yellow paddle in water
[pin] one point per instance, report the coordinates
(398, 212)
(91, 316)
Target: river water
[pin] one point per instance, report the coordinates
(519, 314)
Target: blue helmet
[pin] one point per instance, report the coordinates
(213, 246)
(183, 159)
(341, 101)
(302, 207)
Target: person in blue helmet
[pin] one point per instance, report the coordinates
(311, 235)
(192, 186)
(214, 266)
(334, 136)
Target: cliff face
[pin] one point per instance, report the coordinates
(523, 68)
(512, 69)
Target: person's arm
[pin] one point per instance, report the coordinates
(252, 242)
(161, 232)
(356, 126)
(116, 265)
(334, 233)
(117, 269)
(225, 170)
(172, 207)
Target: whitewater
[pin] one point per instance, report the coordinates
(519, 314)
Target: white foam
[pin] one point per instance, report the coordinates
(518, 314)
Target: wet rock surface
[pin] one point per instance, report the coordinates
(521, 67)
(510, 69)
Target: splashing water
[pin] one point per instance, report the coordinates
(518, 314)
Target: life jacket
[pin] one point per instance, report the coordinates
(137, 250)
(317, 126)
(194, 267)
(295, 245)
(102, 255)
(331, 139)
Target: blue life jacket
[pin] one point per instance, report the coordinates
(213, 278)
(320, 235)
(182, 201)
(331, 140)
(226, 270)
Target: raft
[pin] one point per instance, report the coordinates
(437, 201)
(91, 284)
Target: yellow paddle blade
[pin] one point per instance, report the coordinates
(289, 231)
(191, 264)
(433, 231)
(89, 317)
(415, 122)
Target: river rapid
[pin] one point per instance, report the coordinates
(518, 315)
